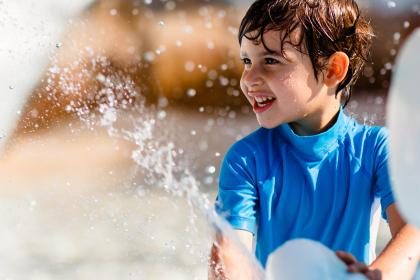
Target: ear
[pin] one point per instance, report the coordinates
(337, 67)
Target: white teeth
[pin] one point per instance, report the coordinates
(263, 99)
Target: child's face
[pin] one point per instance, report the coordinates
(288, 81)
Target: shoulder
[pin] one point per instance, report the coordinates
(249, 150)
(368, 143)
(376, 137)
(366, 135)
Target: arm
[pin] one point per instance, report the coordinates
(401, 256)
(227, 256)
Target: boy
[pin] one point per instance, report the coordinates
(310, 171)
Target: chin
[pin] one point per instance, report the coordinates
(268, 124)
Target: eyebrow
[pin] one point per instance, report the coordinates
(266, 52)
(271, 53)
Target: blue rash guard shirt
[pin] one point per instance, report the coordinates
(328, 187)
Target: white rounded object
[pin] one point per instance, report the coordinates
(404, 127)
(417, 275)
(303, 259)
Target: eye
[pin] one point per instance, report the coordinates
(269, 60)
(246, 61)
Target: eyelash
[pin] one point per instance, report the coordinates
(246, 61)
(268, 60)
(272, 60)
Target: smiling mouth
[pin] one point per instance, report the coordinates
(262, 102)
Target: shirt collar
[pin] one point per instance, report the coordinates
(316, 146)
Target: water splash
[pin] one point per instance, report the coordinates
(118, 106)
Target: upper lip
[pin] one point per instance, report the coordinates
(254, 94)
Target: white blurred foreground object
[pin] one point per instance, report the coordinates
(30, 30)
(303, 259)
(404, 126)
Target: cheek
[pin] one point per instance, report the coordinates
(281, 77)
(243, 87)
(282, 84)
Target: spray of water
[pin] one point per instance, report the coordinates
(119, 107)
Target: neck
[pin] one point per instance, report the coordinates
(316, 122)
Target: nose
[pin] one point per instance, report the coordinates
(251, 78)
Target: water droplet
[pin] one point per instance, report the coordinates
(379, 100)
(388, 66)
(163, 102)
(217, 154)
(406, 24)
(188, 29)
(160, 50)
(391, 4)
(211, 169)
(54, 70)
(131, 49)
(203, 11)
(193, 132)
(210, 45)
(397, 37)
(34, 113)
(113, 12)
(209, 25)
(189, 66)
(11, 87)
(393, 52)
(382, 71)
(148, 2)
(58, 45)
(208, 180)
(170, 6)
(135, 12)
(149, 56)
(101, 78)
(161, 115)
(161, 23)
(201, 109)
(212, 75)
(203, 146)
(221, 14)
(191, 92)
(224, 81)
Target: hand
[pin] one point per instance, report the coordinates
(217, 268)
(229, 259)
(353, 266)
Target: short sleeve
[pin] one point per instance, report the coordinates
(382, 180)
(237, 197)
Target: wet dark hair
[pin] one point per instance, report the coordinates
(327, 26)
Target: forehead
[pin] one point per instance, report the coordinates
(274, 40)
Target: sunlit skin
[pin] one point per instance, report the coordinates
(307, 103)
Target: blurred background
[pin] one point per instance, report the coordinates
(115, 116)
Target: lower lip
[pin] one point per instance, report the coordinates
(259, 110)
